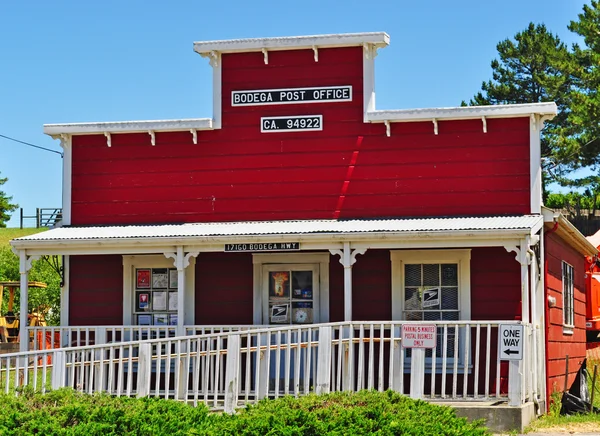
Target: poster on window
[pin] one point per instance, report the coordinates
(160, 278)
(431, 297)
(302, 313)
(143, 301)
(173, 319)
(280, 313)
(144, 319)
(172, 301)
(161, 319)
(159, 300)
(142, 277)
(172, 279)
(279, 284)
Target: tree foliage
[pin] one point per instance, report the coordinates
(6, 207)
(585, 97)
(41, 271)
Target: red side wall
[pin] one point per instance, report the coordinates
(238, 173)
(559, 344)
(96, 290)
(224, 289)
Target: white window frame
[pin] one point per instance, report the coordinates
(261, 299)
(462, 257)
(130, 263)
(568, 291)
(400, 258)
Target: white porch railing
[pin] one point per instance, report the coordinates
(239, 365)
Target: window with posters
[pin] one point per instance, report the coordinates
(155, 296)
(291, 288)
(150, 291)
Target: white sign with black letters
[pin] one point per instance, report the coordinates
(320, 94)
(293, 123)
(510, 342)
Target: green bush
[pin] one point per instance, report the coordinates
(66, 412)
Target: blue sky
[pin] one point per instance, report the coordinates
(78, 61)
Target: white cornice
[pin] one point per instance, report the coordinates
(129, 126)
(459, 113)
(378, 39)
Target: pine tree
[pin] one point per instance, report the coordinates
(6, 208)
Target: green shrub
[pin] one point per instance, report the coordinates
(67, 412)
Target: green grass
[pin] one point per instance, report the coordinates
(589, 422)
(11, 233)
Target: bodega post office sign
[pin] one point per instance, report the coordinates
(262, 97)
(264, 246)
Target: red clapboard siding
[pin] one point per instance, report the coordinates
(238, 173)
(224, 293)
(560, 344)
(495, 284)
(371, 286)
(336, 289)
(96, 290)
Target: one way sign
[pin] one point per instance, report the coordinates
(510, 342)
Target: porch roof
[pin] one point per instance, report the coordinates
(63, 238)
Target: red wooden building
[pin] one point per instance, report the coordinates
(300, 203)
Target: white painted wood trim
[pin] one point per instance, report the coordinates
(369, 53)
(129, 126)
(401, 257)
(217, 91)
(130, 262)
(463, 113)
(380, 39)
(535, 164)
(67, 146)
(260, 259)
(64, 295)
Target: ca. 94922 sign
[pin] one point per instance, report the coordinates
(292, 123)
(263, 97)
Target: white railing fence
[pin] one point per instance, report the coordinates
(240, 365)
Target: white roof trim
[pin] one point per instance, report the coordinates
(568, 232)
(459, 113)
(379, 39)
(129, 126)
(309, 230)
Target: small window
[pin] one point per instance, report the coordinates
(155, 296)
(568, 295)
(291, 296)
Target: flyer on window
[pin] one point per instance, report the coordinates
(280, 313)
(143, 301)
(172, 300)
(173, 279)
(161, 319)
(142, 278)
(159, 300)
(173, 319)
(144, 319)
(160, 278)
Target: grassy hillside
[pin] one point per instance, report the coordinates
(12, 233)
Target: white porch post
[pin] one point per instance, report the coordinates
(181, 261)
(24, 267)
(347, 259)
(180, 292)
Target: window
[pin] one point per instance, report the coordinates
(434, 286)
(155, 296)
(568, 295)
(291, 288)
(150, 291)
(291, 293)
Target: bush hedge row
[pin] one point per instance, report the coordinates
(67, 412)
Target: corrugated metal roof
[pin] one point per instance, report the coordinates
(522, 222)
